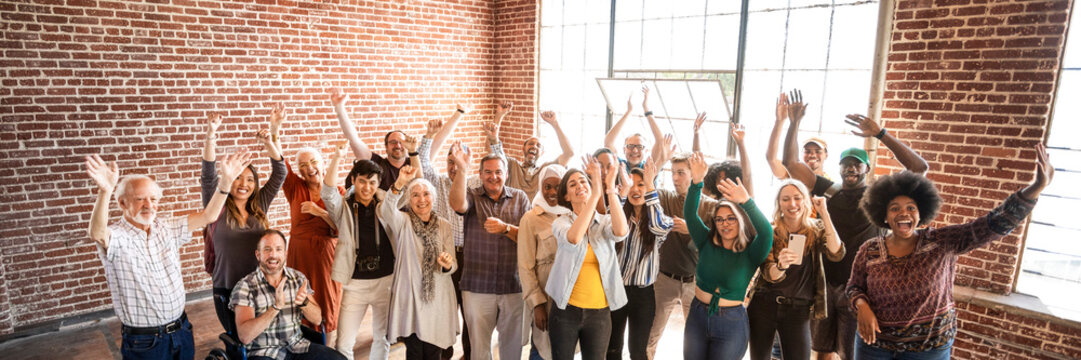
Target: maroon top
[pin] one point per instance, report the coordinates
(912, 296)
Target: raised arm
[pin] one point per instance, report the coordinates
(796, 168)
(577, 231)
(653, 127)
(457, 197)
(447, 127)
(697, 228)
(233, 165)
(744, 158)
(270, 138)
(106, 176)
(868, 128)
(613, 133)
(564, 143)
(835, 250)
(360, 148)
(736, 192)
(615, 211)
(698, 121)
(332, 199)
(659, 223)
(209, 149)
(775, 164)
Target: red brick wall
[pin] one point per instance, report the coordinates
(135, 81)
(969, 85)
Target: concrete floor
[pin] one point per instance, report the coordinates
(101, 339)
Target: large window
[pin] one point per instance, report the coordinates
(1051, 262)
(687, 52)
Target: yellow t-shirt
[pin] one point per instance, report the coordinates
(588, 291)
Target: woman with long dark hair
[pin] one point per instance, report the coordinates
(902, 283)
(585, 284)
(236, 232)
(729, 252)
(639, 262)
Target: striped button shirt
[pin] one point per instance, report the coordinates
(143, 271)
(283, 335)
(639, 270)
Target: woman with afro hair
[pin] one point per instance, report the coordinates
(902, 283)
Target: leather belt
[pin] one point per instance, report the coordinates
(683, 279)
(793, 302)
(156, 330)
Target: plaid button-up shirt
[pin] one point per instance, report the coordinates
(283, 335)
(490, 264)
(143, 271)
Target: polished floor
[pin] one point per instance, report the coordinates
(101, 339)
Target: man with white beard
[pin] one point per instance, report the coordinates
(141, 256)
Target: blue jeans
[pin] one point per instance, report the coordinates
(534, 354)
(176, 345)
(868, 352)
(722, 335)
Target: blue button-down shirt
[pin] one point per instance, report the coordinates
(569, 258)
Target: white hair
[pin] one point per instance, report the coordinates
(125, 184)
(315, 153)
(412, 186)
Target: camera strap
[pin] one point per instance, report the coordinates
(356, 225)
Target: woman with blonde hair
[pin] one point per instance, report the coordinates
(791, 287)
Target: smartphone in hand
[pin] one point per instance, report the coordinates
(796, 243)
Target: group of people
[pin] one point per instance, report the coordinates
(565, 260)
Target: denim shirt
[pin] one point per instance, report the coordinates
(569, 258)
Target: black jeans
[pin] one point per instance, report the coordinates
(226, 317)
(636, 315)
(790, 322)
(315, 352)
(456, 277)
(417, 349)
(567, 327)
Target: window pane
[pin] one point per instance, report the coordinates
(761, 5)
(656, 9)
(687, 42)
(688, 7)
(765, 40)
(810, 84)
(673, 99)
(808, 38)
(628, 51)
(1065, 125)
(853, 38)
(657, 44)
(551, 13)
(574, 47)
(628, 10)
(550, 41)
(849, 93)
(708, 98)
(722, 34)
(715, 7)
(596, 44)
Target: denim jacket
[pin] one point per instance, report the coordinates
(569, 258)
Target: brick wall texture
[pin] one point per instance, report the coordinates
(969, 85)
(134, 81)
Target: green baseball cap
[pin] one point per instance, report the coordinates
(857, 153)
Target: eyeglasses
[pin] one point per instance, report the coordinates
(635, 147)
(722, 220)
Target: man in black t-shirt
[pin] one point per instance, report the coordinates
(834, 337)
